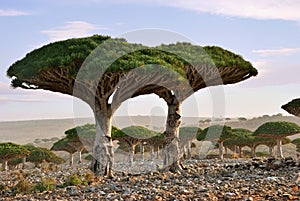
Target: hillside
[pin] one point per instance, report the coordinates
(27, 131)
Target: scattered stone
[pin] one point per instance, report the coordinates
(234, 179)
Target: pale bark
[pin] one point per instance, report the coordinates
(80, 157)
(151, 154)
(131, 154)
(142, 152)
(23, 162)
(279, 148)
(221, 150)
(184, 151)
(171, 149)
(103, 149)
(5, 166)
(271, 151)
(235, 148)
(157, 152)
(240, 152)
(226, 151)
(71, 156)
(253, 151)
(189, 150)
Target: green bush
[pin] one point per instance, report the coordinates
(88, 178)
(73, 180)
(22, 187)
(46, 184)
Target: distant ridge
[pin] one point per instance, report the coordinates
(27, 131)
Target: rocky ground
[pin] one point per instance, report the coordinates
(232, 179)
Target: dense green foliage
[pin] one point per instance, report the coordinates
(245, 137)
(189, 132)
(85, 131)
(207, 55)
(216, 133)
(46, 184)
(57, 54)
(64, 144)
(10, 150)
(297, 143)
(277, 129)
(242, 132)
(70, 54)
(293, 103)
(138, 132)
(37, 155)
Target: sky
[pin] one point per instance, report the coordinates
(265, 32)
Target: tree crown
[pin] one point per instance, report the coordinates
(9, 150)
(138, 132)
(216, 133)
(70, 55)
(277, 129)
(189, 132)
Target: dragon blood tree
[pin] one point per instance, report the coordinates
(98, 68)
(132, 136)
(219, 134)
(81, 141)
(67, 145)
(37, 155)
(297, 143)
(242, 138)
(10, 151)
(154, 143)
(293, 107)
(271, 144)
(186, 136)
(277, 130)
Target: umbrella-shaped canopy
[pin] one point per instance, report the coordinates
(293, 107)
(10, 150)
(277, 129)
(216, 133)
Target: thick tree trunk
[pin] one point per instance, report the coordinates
(142, 152)
(131, 154)
(151, 154)
(23, 162)
(5, 166)
(271, 151)
(157, 152)
(184, 151)
(171, 149)
(240, 152)
(80, 157)
(71, 155)
(221, 150)
(226, 151)
(279, 148)
(189, 151)
(253, 153)
(103, 150)
(235, 148)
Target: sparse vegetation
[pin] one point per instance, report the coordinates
(46, 184)
(23, 187)
(73, 180)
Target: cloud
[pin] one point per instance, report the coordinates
(274, 73)
(9, 95)
(9, 100)
(276, 52)
(257, 9)
(12, 13)
(72, 29)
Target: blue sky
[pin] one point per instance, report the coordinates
(265, 32)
